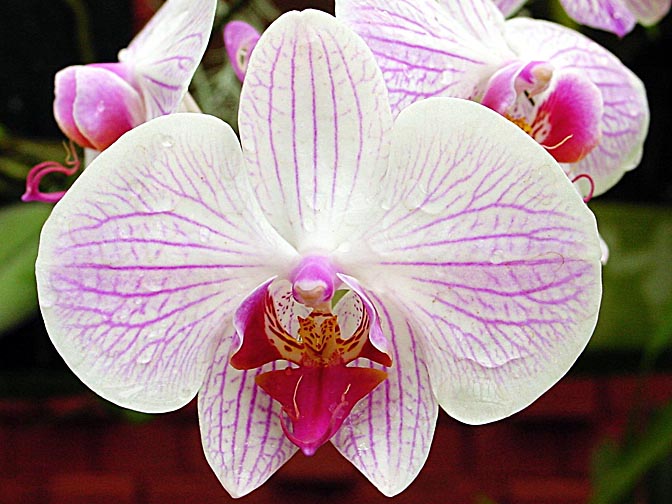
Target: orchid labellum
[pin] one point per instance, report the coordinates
(95, 104)
(570, 94)
(336, 279)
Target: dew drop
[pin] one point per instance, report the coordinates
(309, 223)
(152, 335)
(344, 247)
(164, 205)
(100, 108)
(145, 356)
(185, 394)
(204, 234)
(497, 257)
(416, 195)
(166, 141)
(362, 447)
(47, 297)
(121, 315)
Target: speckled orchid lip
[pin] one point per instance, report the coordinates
(427, 48)
(466, 266)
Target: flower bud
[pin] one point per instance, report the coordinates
(94, 106)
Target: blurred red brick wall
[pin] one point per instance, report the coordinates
(73, 450)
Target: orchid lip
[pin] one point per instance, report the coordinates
(296, 322)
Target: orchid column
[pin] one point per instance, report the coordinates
(337, 279)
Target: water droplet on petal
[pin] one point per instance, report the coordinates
(145, 356)
(204, 234)
(309, 223)
(164, 205)
(344, 247)
(152, 335)
(100, 108)
(497, 257)
(167, 141)
(121, 315)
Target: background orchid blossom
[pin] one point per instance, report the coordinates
(240, 38)
(179, 264)
(616, 16)
(569, 93)
(97, 103)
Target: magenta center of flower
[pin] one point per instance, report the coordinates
(561, 110)
(301, 325)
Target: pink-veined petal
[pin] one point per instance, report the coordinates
(241, 432)
(314, 122)
(625, 118)
(388, 434)
(509, 7)
(492, 252)
(143, 261)
(428, 48)
(240, 39)
(166, 52)
(104, 107)
(649, 12)
(609, 15)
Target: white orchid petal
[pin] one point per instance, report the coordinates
(428, 48)
(242, 437)
(509, 7)
(492, 250)
(144, 259)
(388, 433)
(649, 12)
(314, 120)
(625, 119)
(609, 15)
(166, 52)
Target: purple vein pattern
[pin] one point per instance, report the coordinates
(375, 437)
(626, 113)
(616, 16)
(240, 425)
(144, 261)
(165, 54)
(451, 52)
(312, 126)
(495, 262)
(509, 7)
(481, 260)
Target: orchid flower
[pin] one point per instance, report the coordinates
(240, 38)
(95, 104)
(570, 94)
(336, 279)
(616, 16)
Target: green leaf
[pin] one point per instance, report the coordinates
(637, 279)
(20, 226)
(660, 340)
(619, 477)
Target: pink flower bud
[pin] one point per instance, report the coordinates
(94, 106)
